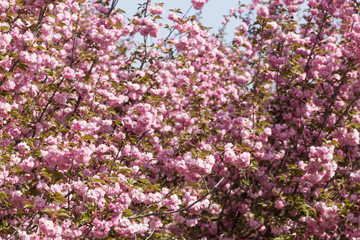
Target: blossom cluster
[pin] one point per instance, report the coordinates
(189, 136)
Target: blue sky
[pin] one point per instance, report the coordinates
(212, 12)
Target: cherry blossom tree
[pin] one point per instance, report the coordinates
(182, 136)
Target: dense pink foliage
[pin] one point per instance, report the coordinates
(179, 137)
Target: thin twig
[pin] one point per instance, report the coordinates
(182, 209)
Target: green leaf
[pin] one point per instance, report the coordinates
(4, 28)
(28, 205)
(57, 176)
(72, 144)
(23, 66)
(59, 198)
(50, 72)
(5, 93)
(145, 181)
(131, 180)
(89, 138)
(127, 213)
(125, 171)
(40, 48)
(62, 215)
(118, 123)
(85, 217)
(45, 173)
(106, 153)
(3, 195)
(111, 111)
(155, 187)
(133, 140)
(48, 211)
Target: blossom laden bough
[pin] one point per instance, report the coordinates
(188, 136)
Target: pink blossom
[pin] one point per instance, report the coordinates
(79, 187)
(68, 73)
(199, 4)
(262, 11)
(4, 4)
(5, 39)
(49, 228)
(27, 165)
(280, 204)
(191, 222)
(158, 10)
(61, 98)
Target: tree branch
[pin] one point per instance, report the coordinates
(182, 209)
